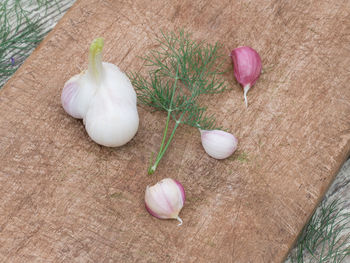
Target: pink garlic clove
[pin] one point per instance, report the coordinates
(76, 95)
(69, 94)
(247, 67)
(165, 199)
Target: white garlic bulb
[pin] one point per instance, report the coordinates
(104, 98)
(218, 144)
(165, 199)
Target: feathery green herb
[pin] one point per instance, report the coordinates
(21, 29)
(181, 70)
(323, 239)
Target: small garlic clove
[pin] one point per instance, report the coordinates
(247, 67)
(69, 94)
(165, 199)
(218, 144)
(76, 95)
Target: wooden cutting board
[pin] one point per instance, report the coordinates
(64, 198)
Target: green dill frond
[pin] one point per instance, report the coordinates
(323, 238)
(23, 24)
(198, 65)
(180, 71)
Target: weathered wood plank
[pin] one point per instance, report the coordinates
(64, 198)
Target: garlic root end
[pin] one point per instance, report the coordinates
(180, 220)
(246, 89)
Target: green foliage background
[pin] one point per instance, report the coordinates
(23, 24)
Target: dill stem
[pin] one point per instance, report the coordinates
(153, 167)
(161, 152)
(165, 132)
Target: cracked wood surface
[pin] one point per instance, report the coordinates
(66, 199)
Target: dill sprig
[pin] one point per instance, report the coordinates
(323, 238)
(22, 27)
(181, 70)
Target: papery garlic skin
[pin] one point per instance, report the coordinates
(104, 98)
(218, 144)
(247, 67)
(112, 119)
(165, 199)
(76, 95)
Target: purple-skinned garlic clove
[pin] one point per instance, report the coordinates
(76, 96)
(247, 67)
(165, 199)
(218, 144)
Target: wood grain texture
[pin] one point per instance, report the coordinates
(66, 199)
